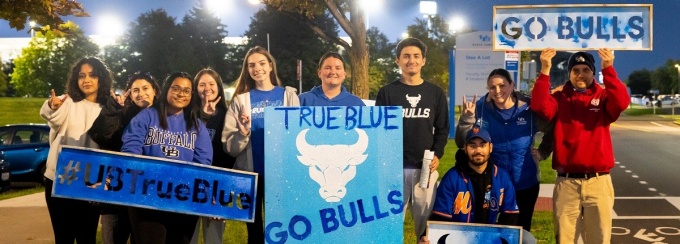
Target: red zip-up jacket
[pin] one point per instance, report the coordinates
(582, 140)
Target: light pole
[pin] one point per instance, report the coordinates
(428, 9)
(677, 66)
(32, 24)
(455, 25)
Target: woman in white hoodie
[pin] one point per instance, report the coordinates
(70, 116)
(257, 87)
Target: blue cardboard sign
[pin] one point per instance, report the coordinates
(454, 232)
(333, 174)
(573, 27)
(155, 183)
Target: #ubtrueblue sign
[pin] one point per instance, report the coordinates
(155, 183)
(333, 175)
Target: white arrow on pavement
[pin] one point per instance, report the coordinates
(649, 237)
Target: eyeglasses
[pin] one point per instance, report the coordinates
(179, 89)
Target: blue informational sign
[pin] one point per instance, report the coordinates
(453, 232)
(573, 27)
(511, 65)
(334, 175)
(155, 183)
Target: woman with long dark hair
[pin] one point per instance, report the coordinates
(257, 87)
(69, 117)
(174, 115)
(141, 92)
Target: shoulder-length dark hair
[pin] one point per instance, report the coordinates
(222, 104)
(142, 76)
(99, 69)
(245, 83)
(190, 111)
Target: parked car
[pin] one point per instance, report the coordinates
(5, 179)
(25, 148)
(664, 101)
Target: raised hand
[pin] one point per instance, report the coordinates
(56, 102)
(607, 57)
(209, 107)
(120, 99)
(546, 60)
(469, 107)
(243, 123)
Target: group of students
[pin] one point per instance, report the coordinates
(232, 136)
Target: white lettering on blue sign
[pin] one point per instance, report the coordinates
(325, 189)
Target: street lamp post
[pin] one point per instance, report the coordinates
(428, 9)
(677, 66)
(32, 24)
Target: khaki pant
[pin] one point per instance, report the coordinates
(420, 200)
(583, 207)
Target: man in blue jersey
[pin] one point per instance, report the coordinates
(330, 92)
(476, 190)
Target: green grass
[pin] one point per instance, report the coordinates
(542, 227)
(20, 110)
(23, 192)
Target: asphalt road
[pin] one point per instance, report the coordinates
(646, 179)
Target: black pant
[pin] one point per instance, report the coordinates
(256, 229)
(526, 201)
(116, 227)
(72, 220)
(153, 226)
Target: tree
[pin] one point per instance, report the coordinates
(289, 46)
(4, 80)
(439, 41)
(46, 62)
(382, 68)
(640, 81)
(206, 34)
(43, 12)
(665, 78)
(156, 44)
(350, 17)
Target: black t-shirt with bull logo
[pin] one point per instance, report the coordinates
(426, 118)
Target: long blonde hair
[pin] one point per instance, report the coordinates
(245, 83)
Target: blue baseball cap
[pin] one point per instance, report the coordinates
(477, 132)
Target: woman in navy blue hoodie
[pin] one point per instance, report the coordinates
(505, 114)
(175, 116)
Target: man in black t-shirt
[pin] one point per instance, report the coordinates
(426, 125)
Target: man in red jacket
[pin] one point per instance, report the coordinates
(582, 112)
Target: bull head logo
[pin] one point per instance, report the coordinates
(332, 166)
(413, 100)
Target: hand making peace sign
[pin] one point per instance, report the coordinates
(209, 107)
(56, 102)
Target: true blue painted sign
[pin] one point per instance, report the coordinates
(453, 232)
(333, 175)
(155, 183)
(573, 27)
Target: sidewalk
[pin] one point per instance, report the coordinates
(25, 220)
(544, 202)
